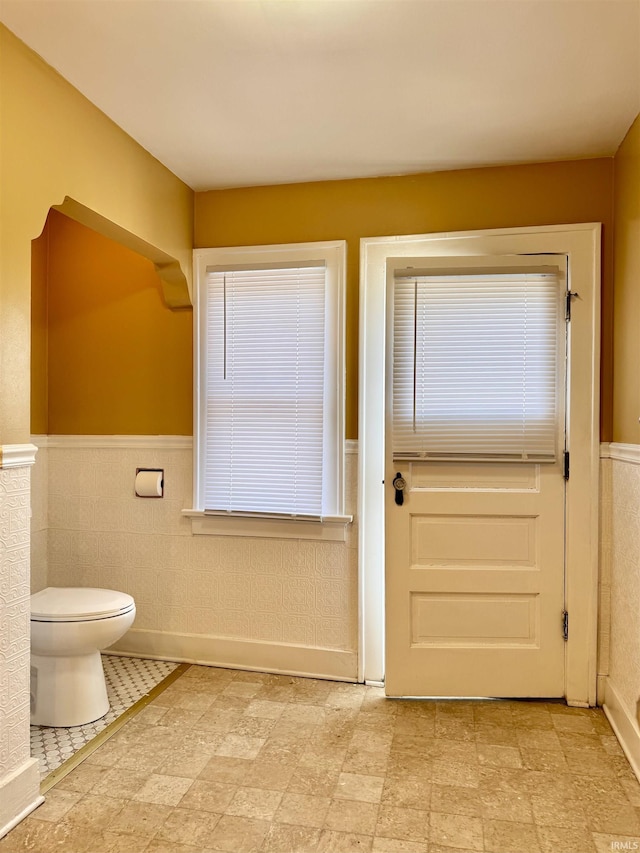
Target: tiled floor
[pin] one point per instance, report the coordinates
(241, 762)
(128, 679)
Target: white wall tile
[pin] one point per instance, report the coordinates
(236, 587)
(14, 617)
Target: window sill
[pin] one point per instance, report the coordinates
(333, 529)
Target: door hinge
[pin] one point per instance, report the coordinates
(565, 464)
(569, 297)
(565, 625)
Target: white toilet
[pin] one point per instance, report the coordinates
(69, 626)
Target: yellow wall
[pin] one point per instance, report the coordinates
(543, 194)
(39, 334)
(54, 145)
(626, 428)
(117, 360)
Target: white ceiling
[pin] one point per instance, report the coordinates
(245, 92)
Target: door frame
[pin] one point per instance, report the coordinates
(581, 244)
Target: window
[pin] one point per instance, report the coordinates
(476, 364)
(269, 374)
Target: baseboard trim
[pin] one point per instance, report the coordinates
(17, 455)
(19, 795)
(126, 442)
(280, 658)
(624, 726)
(621, 452)
(117, 442)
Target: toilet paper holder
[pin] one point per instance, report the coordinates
(149, 483)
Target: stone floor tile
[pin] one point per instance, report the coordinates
(403, 824)
(302, 810)
(613, 817)
(281, 752)
(117, 782)
(497, 805)
(157, 845)
(568, 840)
(395, 845)
(412, 792)
(605, 842)
(231, 771)
(558, 811)
(409, 765)
(187, 826)
(582, 740)
(495, 755)
(218, 720)
(93, 811)
(254, 803)
(305, 715)
(242, 689)
(502, 836)
(253, 727)
(164, 790)
(365, 762)
(115, 842)
(545, 739)
(238, 834)
(442, 848)
(191, 701)
(242, 762)
(208, 796)
(543, 759)
(331, 841)
(352, 817)
(188, 762)
(496, 734)
(355, 786)
(140, 818)
(56, 805)
(458, 831)
(267, 775)
(454, 729)
(631, 788)
(240, 746)
(447, 799)
(572, 723)
(264, 709)
(318, 780)
(181, 718)
(85, 777)
(318, 755)
(284, 838)
(460, 774)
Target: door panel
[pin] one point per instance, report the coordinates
(475, 580)
(475, 550)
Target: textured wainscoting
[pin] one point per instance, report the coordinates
(39, 520)
(19, 792)
(604, 577)
(282, 604)
(620, 589)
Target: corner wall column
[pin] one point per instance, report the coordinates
(19, 776)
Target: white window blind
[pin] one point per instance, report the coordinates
(264, 389)
(475, 366)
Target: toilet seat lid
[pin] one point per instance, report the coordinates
(75, 604)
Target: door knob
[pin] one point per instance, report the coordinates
(399, 484)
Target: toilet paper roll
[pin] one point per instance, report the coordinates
(149, 484)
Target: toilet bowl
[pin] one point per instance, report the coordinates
(69, 626)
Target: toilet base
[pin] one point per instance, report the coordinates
(67, 691)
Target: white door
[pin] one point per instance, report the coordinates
(475, 427)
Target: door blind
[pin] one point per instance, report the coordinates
(265, 339)
(475, 366)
